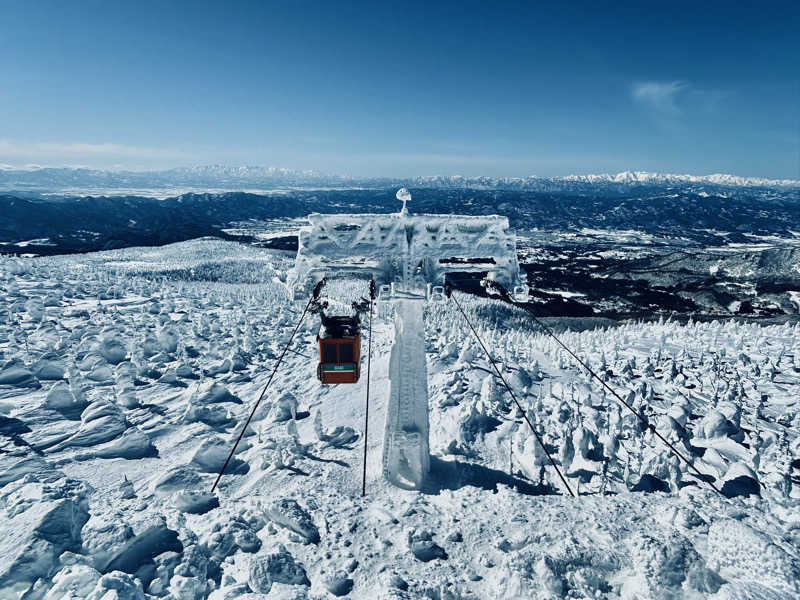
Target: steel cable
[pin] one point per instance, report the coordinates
(505, 296)
(514, 397)
(272, 375)
(369, 367)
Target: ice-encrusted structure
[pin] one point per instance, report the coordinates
(410, 250)
(406, 456)
(386, 247)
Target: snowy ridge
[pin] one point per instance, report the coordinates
(669, 178)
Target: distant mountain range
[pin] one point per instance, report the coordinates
(219, 177)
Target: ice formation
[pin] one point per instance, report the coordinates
(385, 246)
(406, 455)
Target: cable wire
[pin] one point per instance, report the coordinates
(519, 406)
(274, 370)
(506, 297)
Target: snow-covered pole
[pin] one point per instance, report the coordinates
(369, 365)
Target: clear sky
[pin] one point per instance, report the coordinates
(404, 88)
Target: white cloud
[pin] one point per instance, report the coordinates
(70, 153)
(660, 97)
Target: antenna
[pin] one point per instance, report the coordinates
(404, 196)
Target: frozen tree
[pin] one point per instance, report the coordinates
(566, 451)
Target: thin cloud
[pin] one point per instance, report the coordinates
(708, 101)
(60, 152)
(659, 97)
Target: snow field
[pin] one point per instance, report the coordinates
(121, 391)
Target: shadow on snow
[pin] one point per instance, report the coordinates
(455, 474)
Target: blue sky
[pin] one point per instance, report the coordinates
(404, 88)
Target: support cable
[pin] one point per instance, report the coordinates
(369, 366)
(312, 298)
(505, 296)
(519, 406)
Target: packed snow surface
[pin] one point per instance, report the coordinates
(127, 375)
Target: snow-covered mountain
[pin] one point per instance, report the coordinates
(248, 177)
(630, 178)
(188, 178)
(645, 177)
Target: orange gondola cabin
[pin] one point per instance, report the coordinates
(339, 341)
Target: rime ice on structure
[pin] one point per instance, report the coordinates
(406, 456)
(407, 250)
(378, 246)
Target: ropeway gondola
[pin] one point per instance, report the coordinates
(339, 341)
